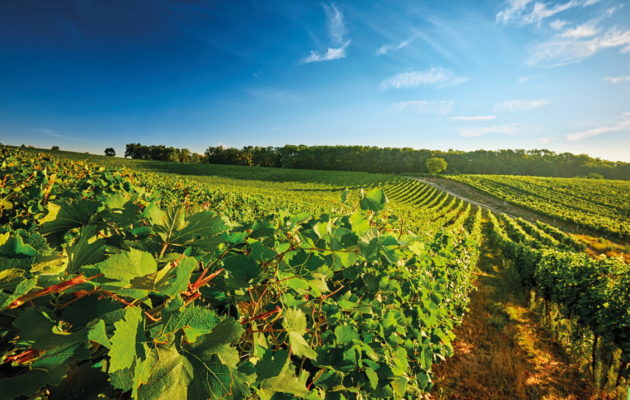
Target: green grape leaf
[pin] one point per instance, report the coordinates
(345, 334)
(97, 333)
(194, 321)
(21, 289)
(374, 200)
(201, 371)
(243, 271)
(123, 342)
(294, 321)
(372, 377)
(70, 215)
(128, 265)
(360, 224)
(87, 250)
(179, 283)
(287, 381)
(271, 364)
(201, 230)
(14, 247)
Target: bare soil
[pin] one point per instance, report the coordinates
(501, 351)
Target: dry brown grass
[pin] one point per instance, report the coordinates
(599, 245)
(501, 351)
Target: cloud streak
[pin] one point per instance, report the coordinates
(476, 131)
(617, 79)
(623, 125)
(433, 76)
(395, 47)
(561, 51)
(587, 29)
(524, 12)
(336, 31)
(521, 105)
(329, 55)
(441, 107)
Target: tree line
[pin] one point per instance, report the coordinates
(537, 162)
(161, 153)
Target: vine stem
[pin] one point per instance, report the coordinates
(58, 288)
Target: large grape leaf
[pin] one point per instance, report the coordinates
(200, 230)
(243, 270)
(204, 370)
(374, 200)
(87, 250)
(128, 265)
(68, 215)
(124, 341)
(194, 321)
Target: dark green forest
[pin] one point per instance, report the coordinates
(395, 160)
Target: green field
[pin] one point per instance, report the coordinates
(148, 280)
(598, 204)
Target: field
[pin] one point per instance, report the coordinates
(148, 280)
(600, 205)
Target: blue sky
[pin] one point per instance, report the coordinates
(466, 75)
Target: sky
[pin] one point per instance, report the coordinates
(465, 75)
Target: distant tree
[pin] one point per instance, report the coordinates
(185, 155)
(110, 152)
(55, 148)
(196, 157)
(594, 175)
(435, 165)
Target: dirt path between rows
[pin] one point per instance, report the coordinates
(485, 204)
(501, 351)
(496, 205)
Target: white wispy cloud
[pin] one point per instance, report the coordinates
(330, 54)
(337, 32)
(441, 107)
(561, 50)
(473, 117)
(557, 24)
(512, 10)
(505, 129)
(525, 12)
(433, 76)
(617, 79)
(587, 29)
(395, 47)
(623, 125)
(336, 23)
(521, 105)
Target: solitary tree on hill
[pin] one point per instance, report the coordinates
(110, 152)
(435, 165)
(55, 148)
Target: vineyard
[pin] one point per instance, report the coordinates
(600, 205)
(222, 282)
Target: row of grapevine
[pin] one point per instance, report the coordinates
(592, 292)
(599, 205)
(119, 284)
